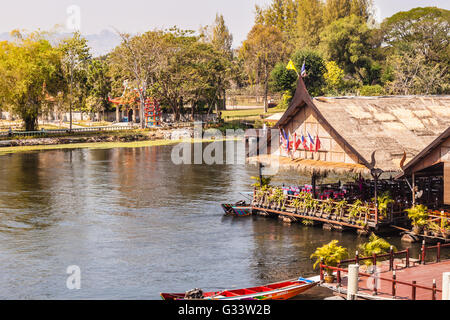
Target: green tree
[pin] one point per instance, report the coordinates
(99, 86)
(309, 22)
(350, 43)
(261, 51)
(281, 14)
(425, 30)
(334, 78)
(315, 69)
(75, 60)
(338, 9)
(418, 51)
(28, 69)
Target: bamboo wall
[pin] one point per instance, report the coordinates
(331, 149)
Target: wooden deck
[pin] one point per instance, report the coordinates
(422, 274)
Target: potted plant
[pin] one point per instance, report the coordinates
(328, 207)
(297, 204)
(330, 255)
(375, 245)
(354, 210)
(339, 209)
(384, 202)
(418, 215)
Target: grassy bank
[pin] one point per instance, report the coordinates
(99, 145)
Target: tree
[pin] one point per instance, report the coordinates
(99, 86)
(338, 9)
(28, 69)
(137, 59)
(309, 23)
(221, 39)
(219, 36)
(422, 29)
(334, 78)
(281, 14)
(349, 42)
(263, 48)
(74, 61)
(315, 69)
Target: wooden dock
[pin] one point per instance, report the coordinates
(398, 278)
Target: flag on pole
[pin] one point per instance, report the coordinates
(297, 142)
(291, 66)
(303, 72)
(311, 143)
(318, 144)
(304, 142)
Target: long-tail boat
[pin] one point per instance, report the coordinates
(275, 291)
(239, 209)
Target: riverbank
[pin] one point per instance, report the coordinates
(93, 143)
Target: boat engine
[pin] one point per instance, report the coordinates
(194, 294)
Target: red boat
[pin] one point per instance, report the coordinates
(275, 291)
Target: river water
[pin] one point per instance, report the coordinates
(136, 225)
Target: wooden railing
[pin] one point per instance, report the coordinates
(398, 254)
(318, 208)
(394, 282)
(63, 131)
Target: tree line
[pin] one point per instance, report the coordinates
(344, 50)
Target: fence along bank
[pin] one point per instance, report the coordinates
(362, 136)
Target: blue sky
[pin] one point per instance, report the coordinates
(141, 15)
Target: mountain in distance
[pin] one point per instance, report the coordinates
(100, 43)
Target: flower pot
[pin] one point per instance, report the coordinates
(329, 279)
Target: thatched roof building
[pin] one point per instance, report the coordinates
(351, 129)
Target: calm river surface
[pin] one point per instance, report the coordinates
(137, 224)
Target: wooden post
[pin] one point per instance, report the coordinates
(313, 183)
(391, 258)
(413, 189)
(424, 252)
(438, 255)
(433, 292)
(407, 257)
(394, 278)
(374, 260)
(375, 178)
(321, 271)
(338, 275)
(413, 290)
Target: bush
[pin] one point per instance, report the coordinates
(375, 90)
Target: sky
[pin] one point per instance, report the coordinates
(136, 16)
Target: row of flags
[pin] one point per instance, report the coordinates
(292, 142)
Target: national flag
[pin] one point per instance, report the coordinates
(303, 72)
(291, 66)
(311, 143)
(304, 142)
(318, 144)
(282, 139)
(297, 142)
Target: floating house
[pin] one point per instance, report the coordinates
(358, 134)
(430, 169)
(375, 136)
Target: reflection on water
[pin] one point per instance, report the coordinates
(137, 224)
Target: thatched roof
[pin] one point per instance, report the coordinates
(407, 169)
(388, 125)
(309, 166)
